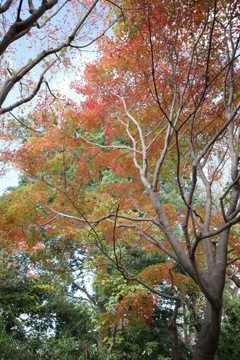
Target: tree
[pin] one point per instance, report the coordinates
(133, 322)
(61, 262)
(166, 114)
(35, 41)
(177, 101)
(228, 344)
(40, 316)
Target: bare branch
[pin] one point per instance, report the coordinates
(5, 92)
(84, 290)
(130, 276)
(106, 217)
(31, 8)
(233, 261)
(158, 244)
(24, 125)
(236, 280)
(209, 144)
(5, 6)
(53, 14)
(108, 146)
(19, 27)
(228, 225)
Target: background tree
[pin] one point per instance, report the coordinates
(53, 304)
(40, 316)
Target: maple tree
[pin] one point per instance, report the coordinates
(159, 116)
(176, 99)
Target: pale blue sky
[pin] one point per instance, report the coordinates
(10, 179)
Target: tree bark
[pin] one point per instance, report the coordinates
(172, 326)
(207, 342)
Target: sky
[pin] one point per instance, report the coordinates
(9, 180)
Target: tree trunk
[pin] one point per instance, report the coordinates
(172, 326)
(209, 334)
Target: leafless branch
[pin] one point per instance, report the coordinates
(53, 14)
(158, 244)
(24, 125)
(108, 146)
(84, 290)
(19, 29)
(129, 276)
(5, 6)
(21, 26)
(27, 98)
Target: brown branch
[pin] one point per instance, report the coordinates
(129, 276)
(20, 26)
(158, 244)
(236, 280)
(19, 10)
(95, 39)
(157, 99)
(24, 125)
(5, 6)
(233, 261)
(53, 14)
(213, 233)
(84, 290)
(19, 29)
(31, 7)
(114, 237)
(27, 98)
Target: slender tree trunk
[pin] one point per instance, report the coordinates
(209, 334)
(172, 326)
(174, 341)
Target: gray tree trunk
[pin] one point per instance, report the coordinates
(207, 343)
